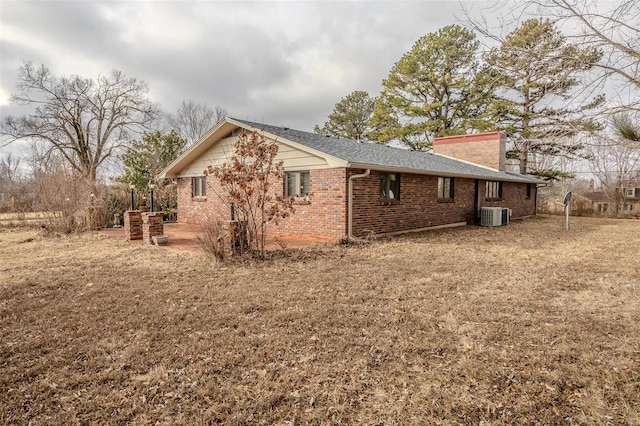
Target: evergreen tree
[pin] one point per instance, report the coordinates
(351, 117)
(536, 72)
(435, 89)
(626, 128)
(147, 158)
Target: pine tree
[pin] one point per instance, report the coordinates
(537, 72)
(625, 127)
(351, 117)
(435, 89)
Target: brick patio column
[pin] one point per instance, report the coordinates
(152, 226)
(133, 225)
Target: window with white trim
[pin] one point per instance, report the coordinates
(199, 186)
(445, 188)
(390, 186)
(296, 184)
(493, 190)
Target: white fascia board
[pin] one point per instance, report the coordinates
(433, 173)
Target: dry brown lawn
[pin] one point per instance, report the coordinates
(524, 324)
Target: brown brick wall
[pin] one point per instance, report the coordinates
(152, 226)
(486, 149)
(133, 225)
(513, 197)
(418, 206)
(325, 212)
(197, 210)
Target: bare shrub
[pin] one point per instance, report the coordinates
(247, 180)
(215, 238)
(60, 193)
(73, 205)
(111, 200)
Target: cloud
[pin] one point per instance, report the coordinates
(277, 62)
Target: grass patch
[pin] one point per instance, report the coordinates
(519, 324)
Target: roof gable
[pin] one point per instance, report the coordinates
(221, 131)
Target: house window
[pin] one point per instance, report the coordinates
(199, 186)
(494, 190)
(445, 189)
(630, 192)
(628, 208)
(296, 184)
(528, 191)
(390, 187)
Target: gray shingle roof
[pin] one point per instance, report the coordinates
(376, 155)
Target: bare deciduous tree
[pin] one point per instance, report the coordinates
(86, 121)
(615, 31)
(10, 181)
(10, 168)
(615, 161)
(193, 120)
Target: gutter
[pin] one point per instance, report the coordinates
(505, 176)
(350, 236)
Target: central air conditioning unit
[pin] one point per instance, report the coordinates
(494, 216)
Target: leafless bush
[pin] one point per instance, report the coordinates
(12, 186)
(112, 200)
(247, 180)
(72, 204)
(60, 193)
(215, 238)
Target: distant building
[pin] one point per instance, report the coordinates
(616, 202)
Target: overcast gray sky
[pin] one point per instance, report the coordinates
(284, 62)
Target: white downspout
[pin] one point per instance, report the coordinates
(350, 203)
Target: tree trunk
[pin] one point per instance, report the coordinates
(524, 157)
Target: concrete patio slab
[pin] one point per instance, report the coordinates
(184, 236)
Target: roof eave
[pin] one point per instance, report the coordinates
(383, 168)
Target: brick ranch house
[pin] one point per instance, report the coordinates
(345, 188)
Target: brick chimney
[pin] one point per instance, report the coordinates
(484, 149)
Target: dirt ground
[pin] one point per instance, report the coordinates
(523, 324)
